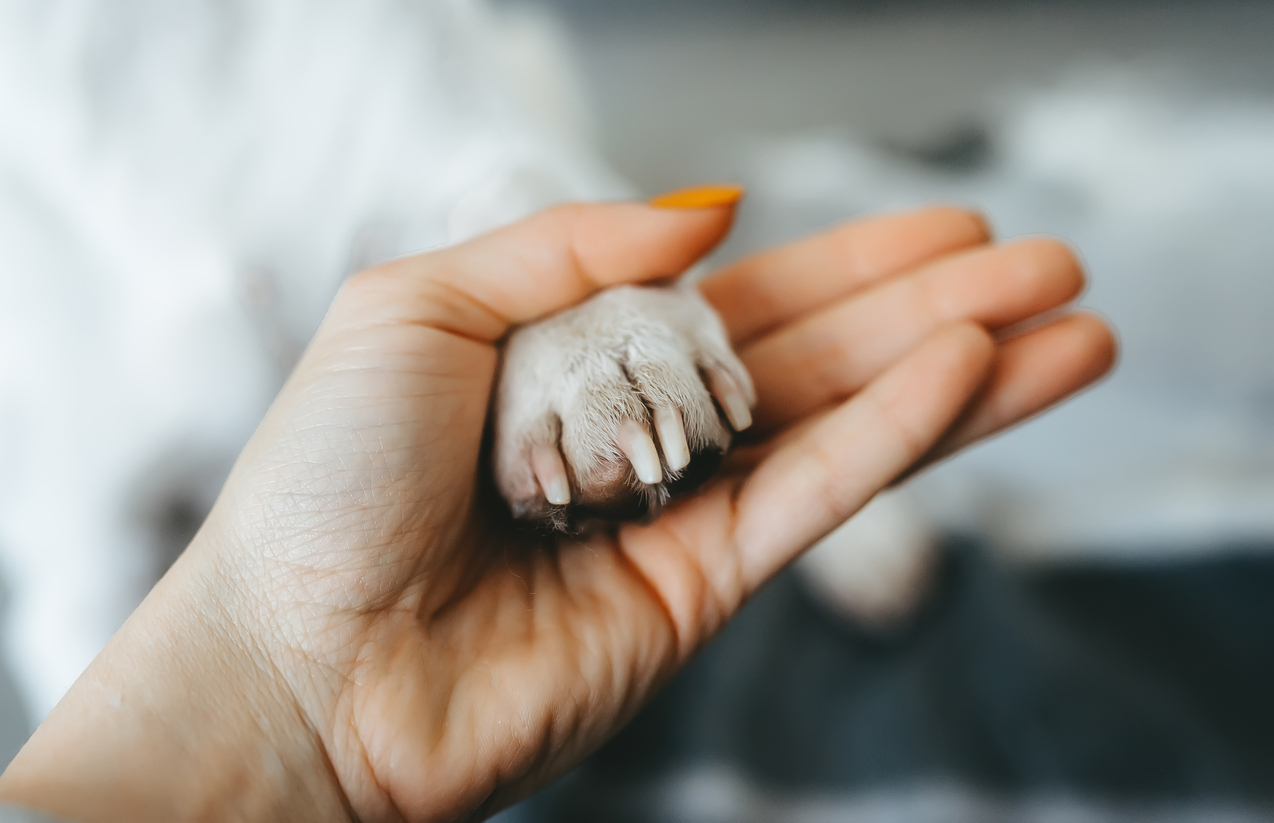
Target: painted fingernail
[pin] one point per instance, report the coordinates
(672, 438)
(637, 446)
(699, 197)
(731, 398)
(549, 470)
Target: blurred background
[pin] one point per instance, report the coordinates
(1098, 643)
(1095, 640)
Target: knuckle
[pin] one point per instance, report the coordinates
(367, 279)
(564, 215)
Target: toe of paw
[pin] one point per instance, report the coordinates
(613, 492)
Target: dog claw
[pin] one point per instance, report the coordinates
(730, 396)
(672, 438)
(549, 470)
(635, 443)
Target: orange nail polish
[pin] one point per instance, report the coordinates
(699, 197)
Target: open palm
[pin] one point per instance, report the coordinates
(447, 663)
(466, 663)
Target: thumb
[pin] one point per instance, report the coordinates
(549, 261)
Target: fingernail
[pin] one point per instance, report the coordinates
(637, 446)
(672, 438)
(699, 197)
(549, 470)
(732, 401)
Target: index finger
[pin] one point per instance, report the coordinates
(537, 266)
(763, 291)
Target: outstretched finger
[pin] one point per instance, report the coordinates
(830, 353)
(1032, 373)
(540, 265)
(765, 290)
(810, 485)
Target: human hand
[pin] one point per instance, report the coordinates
(356, 632)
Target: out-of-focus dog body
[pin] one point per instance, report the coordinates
(183, 186)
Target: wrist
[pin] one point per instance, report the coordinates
(182, 716)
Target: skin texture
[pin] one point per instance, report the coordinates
(357, 631)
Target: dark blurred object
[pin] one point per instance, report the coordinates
(669, 8)
(1148, 684)
(1205, 630)
(965, 149)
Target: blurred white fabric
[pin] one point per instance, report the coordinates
(183, 186)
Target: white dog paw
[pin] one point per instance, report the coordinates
(876, 570)
(608, 409)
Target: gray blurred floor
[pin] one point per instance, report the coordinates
(1092, 695)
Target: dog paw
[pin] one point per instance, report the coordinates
(610, 408)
